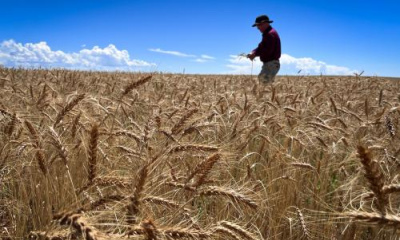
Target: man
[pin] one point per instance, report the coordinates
(269, 50)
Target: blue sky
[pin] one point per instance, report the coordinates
(318, 37)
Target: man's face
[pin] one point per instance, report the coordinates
(262, 26)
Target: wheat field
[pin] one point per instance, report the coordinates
(114, 155)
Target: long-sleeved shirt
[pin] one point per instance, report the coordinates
(270, 47)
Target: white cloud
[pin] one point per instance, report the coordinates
(311, 66)
(242, 65)
(13, 54)
(175, 53)
(207, 57)
(289, 65)
(200, 60)
(204, 58)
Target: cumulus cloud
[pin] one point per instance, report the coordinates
(289, 65)
(13, 54)
(312, 66)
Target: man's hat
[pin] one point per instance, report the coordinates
(261, 19)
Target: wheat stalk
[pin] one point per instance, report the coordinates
(92, 154)
(225, 231)
(67, 108)
(178, 126)
(374, 176)
(104, 200)
(135, 199)
(303, 165)
(389, 126)
(303, 223)
(130, 135)
(185, 233)
(238, 229)
(202, 169)
(11, 125)
(78, 223)
(374, 218)
(162, 201)
(62, 152)
(232, 194)
(387, 189)
(128, 88)
(112, 181)
(193, 147)
(39, 155)
(149, 229)
(75, 124)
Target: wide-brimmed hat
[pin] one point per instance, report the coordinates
(261, 19)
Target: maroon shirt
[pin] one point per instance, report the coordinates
(270, 47)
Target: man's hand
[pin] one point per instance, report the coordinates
(251, 56)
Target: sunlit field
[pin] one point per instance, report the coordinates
(96, 155)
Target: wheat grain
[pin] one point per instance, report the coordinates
(375, 218)
(162, 201)
(135, 199)
(238, 229)
(67, 108)
(78, 223)
(92, 154)
(226, 232)
(203, 168)
(304, 228)
(75, 125)
(185, 233)
(62, 152)
(128, 88)
(232, 194)
(178, 126)
(193, 147)
(149, 229)
(112, 181)
(374, 177)
(303, 165)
